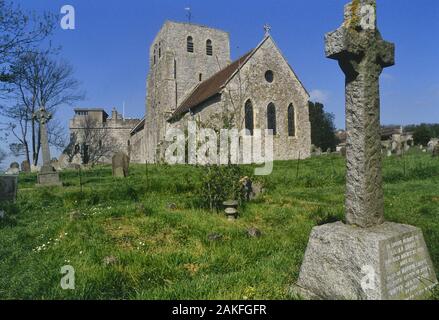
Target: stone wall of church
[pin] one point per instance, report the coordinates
(285, 90)
(117, 130)
(137, 147)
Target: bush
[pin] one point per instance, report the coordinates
(220, 183)
(422, 135)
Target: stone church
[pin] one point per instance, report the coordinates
(191, 77)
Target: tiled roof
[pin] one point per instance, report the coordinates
(210, 87)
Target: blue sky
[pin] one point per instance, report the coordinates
(109, 48)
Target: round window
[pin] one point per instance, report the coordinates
(269, 76)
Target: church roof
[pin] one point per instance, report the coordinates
(213, 86)
(210, 87)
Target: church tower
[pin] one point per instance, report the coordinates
(181, 56)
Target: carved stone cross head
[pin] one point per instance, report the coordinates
(42, 115)
(358, 39)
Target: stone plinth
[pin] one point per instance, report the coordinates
(386, 262)
(48, 177)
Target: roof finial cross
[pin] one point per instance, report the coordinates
(267, 29)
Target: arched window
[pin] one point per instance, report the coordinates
(271, 118)
(160, 50)
(291, 121)
(249, 122)
(155, 55)
(209, 48)
(190, 44)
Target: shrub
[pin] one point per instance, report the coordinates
(220, 183)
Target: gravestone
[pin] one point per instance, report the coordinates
(343, 152)
(8, 187)
(14, 169)
(25, 166)
(367, 258)
(47, 176)
(120, 164)
(436, 151)
(432, 144)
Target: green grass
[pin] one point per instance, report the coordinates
(166, 254)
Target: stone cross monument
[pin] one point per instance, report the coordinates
(47, 175)
(366, 258)
(362, 54)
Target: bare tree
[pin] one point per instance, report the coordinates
(39, 81)
(93, 142)
(19, 32)
(2, 156)
(57, 135)
(18, 127)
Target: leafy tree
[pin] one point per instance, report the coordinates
(322, 127)
(422, 135)
(433, 127)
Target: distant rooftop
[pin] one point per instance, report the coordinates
(89, 109)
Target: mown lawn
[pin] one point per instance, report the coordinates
(160, 252)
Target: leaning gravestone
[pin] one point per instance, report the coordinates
(8, 187)
(25, 166)
(121, 164)
(367, 258)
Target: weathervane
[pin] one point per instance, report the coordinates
(267, 29)
(188, 14)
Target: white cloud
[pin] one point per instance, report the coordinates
(387, 76)
(318, 95)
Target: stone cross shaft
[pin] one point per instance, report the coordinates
(43, 117)
(362, 55)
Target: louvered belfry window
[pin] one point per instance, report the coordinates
(190, 44)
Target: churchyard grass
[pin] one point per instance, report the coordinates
(162, 252)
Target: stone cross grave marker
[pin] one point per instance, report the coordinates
(47, 175)
(367, 258)
(362, 54)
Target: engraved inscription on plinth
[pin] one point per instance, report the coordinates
(406, 269)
